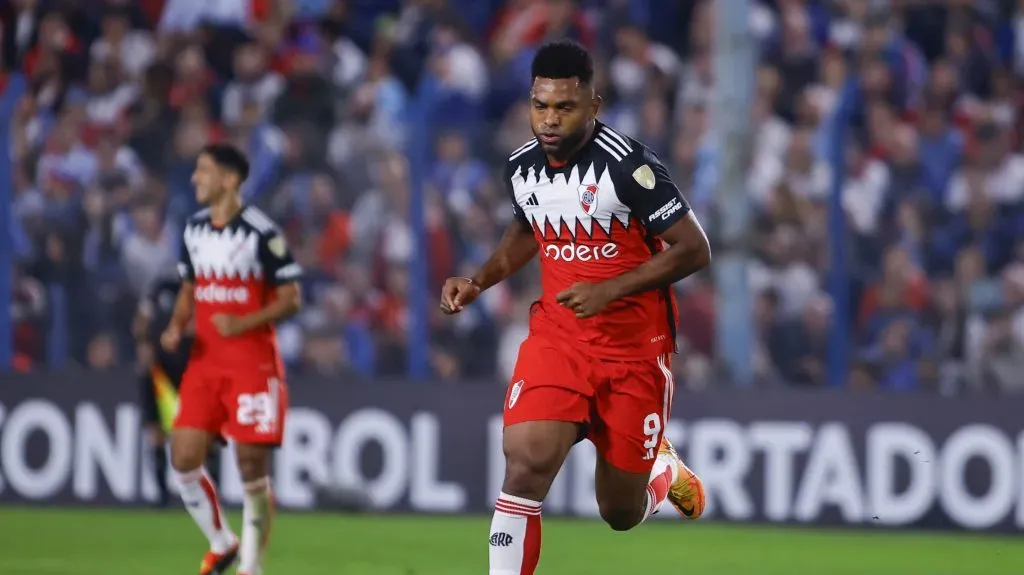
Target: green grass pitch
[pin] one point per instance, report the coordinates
(91, 542)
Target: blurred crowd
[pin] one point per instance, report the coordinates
(330, 98)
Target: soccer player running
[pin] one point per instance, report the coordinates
(162, 376)
(614, 233)
(238, 280)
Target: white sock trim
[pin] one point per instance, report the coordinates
(190, 476)
(257, 485)
(519, 500)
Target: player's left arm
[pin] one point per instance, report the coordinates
(648, 191)
(655, 200)
(283, 273)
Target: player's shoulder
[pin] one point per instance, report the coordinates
(199, 218)
(627, 158)
(258, 221)
(614, 146)
(620, 150)
(524, 155)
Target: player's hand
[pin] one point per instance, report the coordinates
(457, 293)
(227, 325)
(170, 339)
(586, 299)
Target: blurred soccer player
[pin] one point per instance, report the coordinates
(162, 376)
(238, 280)
(614, 233)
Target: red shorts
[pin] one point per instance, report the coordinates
(624, 404)
(247, 403)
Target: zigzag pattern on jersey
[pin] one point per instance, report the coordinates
(223, 254)
(559, 226)
(569, 233)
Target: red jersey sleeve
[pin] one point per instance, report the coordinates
(649, 192)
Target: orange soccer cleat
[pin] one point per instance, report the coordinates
(687, 493)
(218, 563)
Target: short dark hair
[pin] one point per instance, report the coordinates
(562, 59)
(228, 157)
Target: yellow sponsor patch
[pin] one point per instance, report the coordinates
(277, 246)
(644, 176)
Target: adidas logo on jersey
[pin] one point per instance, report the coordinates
(532, 200)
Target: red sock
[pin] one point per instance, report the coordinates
(515, 536)
(657, 489)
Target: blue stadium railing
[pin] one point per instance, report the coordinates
(12, 94)
(839, 272)
(419, 150)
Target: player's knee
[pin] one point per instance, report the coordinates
(619, 517)
(534, 452)
(529, 473)
(188, 450)
(186, 458)
(252, 468)
(253, 463)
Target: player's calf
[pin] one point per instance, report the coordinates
(622, 496)
(534, 453)
(626, 499)
(621, 516)
(188, 450)
(257, 506)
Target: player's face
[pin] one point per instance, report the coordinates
(208, 179)
(560, 113)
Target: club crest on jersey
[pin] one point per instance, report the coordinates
(513, 396)
(588, 198)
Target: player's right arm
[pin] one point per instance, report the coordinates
(184, 304)
(517, 247)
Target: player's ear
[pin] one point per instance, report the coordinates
(232, 180)
(595, 104)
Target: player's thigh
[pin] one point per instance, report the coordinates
(630, 413)
(548, 384)
(546, 406)
(199, 418)
(256, 401)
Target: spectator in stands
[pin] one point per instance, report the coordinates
(323, 93)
